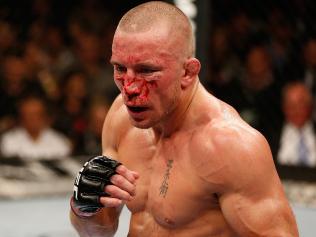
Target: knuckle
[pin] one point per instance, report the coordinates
(133, 190)
(117, 180)
(109, 189)
(121, 169)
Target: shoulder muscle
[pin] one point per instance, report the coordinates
(250, 192)
(115, 124)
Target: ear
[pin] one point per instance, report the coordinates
(191, 70)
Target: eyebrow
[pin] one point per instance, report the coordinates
(137, 65)
(113, 62)
(151, 65)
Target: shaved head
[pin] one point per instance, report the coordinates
(152, 15)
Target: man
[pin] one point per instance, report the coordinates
(191, 166)
(298, 138)
(33, 138)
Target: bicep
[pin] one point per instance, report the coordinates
(254, 203)
(265, 216)
(257, 206)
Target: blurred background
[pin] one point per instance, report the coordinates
(56, 87)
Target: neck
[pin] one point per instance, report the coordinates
(177, 119)
(34, 135)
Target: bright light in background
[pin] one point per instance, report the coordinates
(189, 9)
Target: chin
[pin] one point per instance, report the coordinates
(143, 124)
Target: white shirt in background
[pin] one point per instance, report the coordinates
(288, 152)
(49, 145)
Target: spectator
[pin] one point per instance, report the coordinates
(91, 144)
(33, 138)
(309, 50)
(14, 84)
(256, 94)
(282, 45)
(61, 57)
(71, 115)
(224, 63)
(241, 33)
(309, 67)
(8, 39)
(297, 144)
(13, 75)
(91, 60)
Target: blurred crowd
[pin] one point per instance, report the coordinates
(263, 63)
(56, 81)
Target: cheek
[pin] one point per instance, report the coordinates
(147, 89)
(118, 82)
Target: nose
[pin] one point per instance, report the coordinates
(132, 88)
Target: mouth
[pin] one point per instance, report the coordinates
(137, 109)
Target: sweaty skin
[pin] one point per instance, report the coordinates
(219, 174)
(216, 186)
(191, 166)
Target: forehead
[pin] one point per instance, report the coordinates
(298, 93)
(135, 47)
(32, 105)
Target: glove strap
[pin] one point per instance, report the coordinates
(83, 211)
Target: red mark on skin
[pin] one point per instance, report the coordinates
(145, 91)
(132, 87)
(139, 87)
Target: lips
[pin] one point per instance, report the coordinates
(137, 109)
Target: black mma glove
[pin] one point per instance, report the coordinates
(90, 183)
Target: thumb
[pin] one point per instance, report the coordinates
(135, 174)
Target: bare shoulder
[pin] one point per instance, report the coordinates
(229, 130)
(235, 161)
(115, 125)
(231, 151)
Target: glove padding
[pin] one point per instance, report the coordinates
(90, 183)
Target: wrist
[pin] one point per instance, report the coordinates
(77, 210)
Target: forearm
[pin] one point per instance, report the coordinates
(104, 223)
(97, 200)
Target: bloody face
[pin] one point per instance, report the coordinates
(147, 71)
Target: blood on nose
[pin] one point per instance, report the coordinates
(132, 87)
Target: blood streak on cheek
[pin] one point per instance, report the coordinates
(145, 89)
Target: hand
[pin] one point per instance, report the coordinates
(102, 182)
(122, 189)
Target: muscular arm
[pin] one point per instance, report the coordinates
(240, 167)
(253, 202)
(105, 222)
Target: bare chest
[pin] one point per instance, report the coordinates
(169, 188)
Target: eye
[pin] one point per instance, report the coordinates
(119, 68)
(146, 70)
